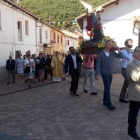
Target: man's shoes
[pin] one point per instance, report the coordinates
(111, 107)
(124, 101)
(105, 104)
(8, 83)
(94, 93)
(133, 135)
(75, 94)
(71, 93)
(85, 91)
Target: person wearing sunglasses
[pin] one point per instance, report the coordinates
(72, 62)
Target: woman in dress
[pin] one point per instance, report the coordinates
(40, 62)
(29, 66)
(20, 68)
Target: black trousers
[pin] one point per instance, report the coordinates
(125, 84)
(134, 108)
(46, 74)
(75, 80)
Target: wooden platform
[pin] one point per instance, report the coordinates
(89, 49)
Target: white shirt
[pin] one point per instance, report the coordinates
(30, 64)
(107, 54)
(74, 61)
(127, 58)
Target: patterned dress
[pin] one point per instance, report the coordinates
(20, 66)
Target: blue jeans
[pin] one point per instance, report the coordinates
(107, 79)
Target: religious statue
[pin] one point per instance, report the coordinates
(94, 25)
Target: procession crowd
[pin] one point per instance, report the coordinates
(70, 64)
(31, 67)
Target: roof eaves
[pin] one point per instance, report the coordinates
(103, 5)
(28, 12)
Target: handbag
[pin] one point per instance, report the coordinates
(27, 70)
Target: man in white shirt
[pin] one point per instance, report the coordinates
(72, 68)
(127, 54)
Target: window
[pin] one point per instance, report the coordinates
(54, 36)
(46, 34)
(26, 27)
(0, 21)
(19, 26)
(61, 39)
(40, 35)
(58, 39)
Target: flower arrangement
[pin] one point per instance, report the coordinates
(101, 44)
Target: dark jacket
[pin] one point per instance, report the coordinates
(40, 66)
(48, 62)
(105, 64)
(70, 64)
(10, 66)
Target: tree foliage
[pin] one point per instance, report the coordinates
(59, 10)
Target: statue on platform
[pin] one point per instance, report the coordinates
(94, 25)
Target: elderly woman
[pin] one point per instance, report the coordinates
(29, 66)
(20, 68)
(56, 65)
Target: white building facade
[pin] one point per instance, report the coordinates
(20, 32)
(70, 40)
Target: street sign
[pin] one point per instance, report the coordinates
(53, 41)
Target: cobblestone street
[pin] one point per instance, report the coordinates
(48, 112)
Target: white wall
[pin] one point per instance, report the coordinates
(44, 40)
(72, 43)
(117, 20)
(9, 33)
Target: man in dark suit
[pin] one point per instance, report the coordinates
(47, 66)
(73, 63)
(10, 66)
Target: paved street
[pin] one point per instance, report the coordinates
(48, 112)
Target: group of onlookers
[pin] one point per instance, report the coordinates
(29, 67)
